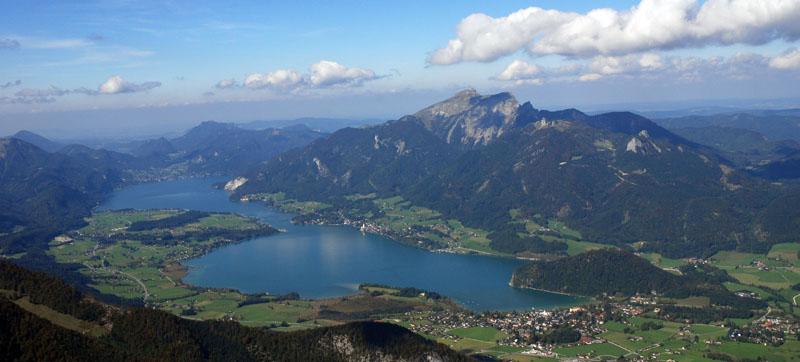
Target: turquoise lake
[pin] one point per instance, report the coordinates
(328, 261)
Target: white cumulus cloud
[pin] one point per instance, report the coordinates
(650, 25)
(608, 65)
(323, 74)
(281, 79)
(519, 70)
(327, 73)
(654, 67)
(116, 84)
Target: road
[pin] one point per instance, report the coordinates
(629, 351)
(144, 287)
(113, 271)
(763, 317)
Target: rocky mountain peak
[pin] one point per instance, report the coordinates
(467, 93)
(469, 118)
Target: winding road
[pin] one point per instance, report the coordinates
(113, 271)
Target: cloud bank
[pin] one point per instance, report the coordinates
(652, 66)
(651, 25)
(323, 74)
(113, 85)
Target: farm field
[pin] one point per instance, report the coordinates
(399, 216)
(775, 275)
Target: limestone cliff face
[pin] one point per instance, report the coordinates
(234, 184)
(471, 119)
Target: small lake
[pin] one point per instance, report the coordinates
(329, 261)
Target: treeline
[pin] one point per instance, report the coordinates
(720, 356)
(169, 222)
(139, 334)
(408, 292)
(167, 237)
(259, 299)
(27, 337)
(702, 315)
(44, 289)
(560, 335)
(509, 241)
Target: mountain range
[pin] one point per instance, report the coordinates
(767, 142)
(42, 193)
(618, 178)
(744, 147)
(774, 124)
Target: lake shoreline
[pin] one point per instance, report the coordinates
(375, 229)
(322, 262)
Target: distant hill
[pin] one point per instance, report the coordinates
(743, 146)
(597, 272)
(223, 148)
(617, 272)
(776, 125)
(326, 125)
(38, 141)
(154, 147)
(101, 158)
(51, 332)
(43, 193)
(616, 177)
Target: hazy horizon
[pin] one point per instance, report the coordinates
(143, 123)
(100, 68)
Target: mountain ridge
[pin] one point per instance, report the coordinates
(618, 177)
(38, 140)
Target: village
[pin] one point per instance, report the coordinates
(628, 327)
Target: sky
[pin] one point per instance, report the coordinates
(111, 68)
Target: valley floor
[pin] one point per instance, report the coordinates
(145, 266)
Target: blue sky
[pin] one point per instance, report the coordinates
(164, 61)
